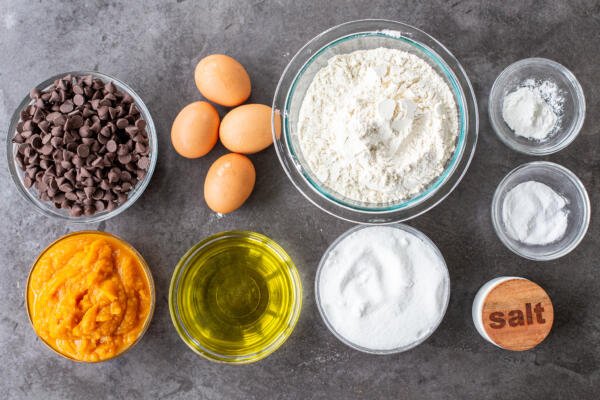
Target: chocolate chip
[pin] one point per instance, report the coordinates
(89, 191)
(66, 107)
(35, 141)
(82, 144)
(122, 123)
(125, 159)
(110, 87)
(85, 131)
(60, 120)
(46, 149)
(127, 99)
(76, 211)
(131, 130)
(103, 112)
(114, 113)
(27, 181)
(78, 99)
(34, 93)
(140, 124)
(57, 131)
(38, 116)
(123, 149)
(75, 122)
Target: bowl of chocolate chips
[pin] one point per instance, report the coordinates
(82, 147)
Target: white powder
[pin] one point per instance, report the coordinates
(383, 288)
(377, 126)
(534, 110)
(535, 214)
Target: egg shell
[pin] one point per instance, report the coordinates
(247, 129)
(229, 182)
(222, 80)
(195, 130)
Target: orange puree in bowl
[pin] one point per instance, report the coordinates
(89, 296)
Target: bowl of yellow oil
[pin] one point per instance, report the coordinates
(235, 297)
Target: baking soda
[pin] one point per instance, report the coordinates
(534, 214)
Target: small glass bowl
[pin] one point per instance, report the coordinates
(538, 69)
(362, 35)
(565, 183)
(208, 248)
(332, 247)
(147, 272)
(47, 208)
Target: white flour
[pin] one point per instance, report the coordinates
(533, 110)
(535, 214)
(383, 288)
(377, 126)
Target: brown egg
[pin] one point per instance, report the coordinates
(247, 129)
(195, 129)
(229, 182)
(223, 80)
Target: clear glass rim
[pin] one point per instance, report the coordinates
(533, 149)
(174, 307)
(466, 103)
(406, 228)
(147, 273)
(50, 211)
(496, 210)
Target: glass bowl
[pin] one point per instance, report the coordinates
(361, 35)
(562, 181)
(47, 208)
(433, 328)
(258, 333)
(539, 70)
(147, 273)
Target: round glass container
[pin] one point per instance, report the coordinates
(235, 297)
(363, 35)
(446, 295)
(566, 184)
(47, 208)
(538, 70)
(147, 273)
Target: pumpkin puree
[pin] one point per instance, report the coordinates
(89, 296)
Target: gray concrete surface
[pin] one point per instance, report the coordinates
(154, 46)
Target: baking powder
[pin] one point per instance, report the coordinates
(534, 110)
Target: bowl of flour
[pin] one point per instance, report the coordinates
(378, 121)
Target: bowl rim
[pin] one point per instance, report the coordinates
(532, 148)
(408, 229)
(496, 209)
(184, 263)
(463, 94)
(147, 273)
(51, 211)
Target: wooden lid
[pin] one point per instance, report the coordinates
(517, 314)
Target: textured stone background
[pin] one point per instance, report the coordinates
(154, 46)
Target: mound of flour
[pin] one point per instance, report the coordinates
(377, 126)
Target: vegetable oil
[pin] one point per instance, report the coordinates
(235, 297)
